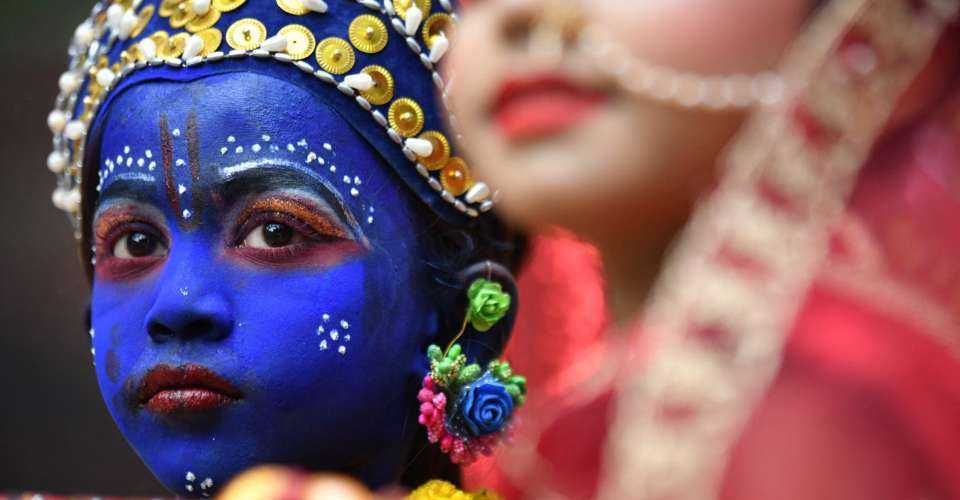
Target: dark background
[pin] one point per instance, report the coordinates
(55, 433)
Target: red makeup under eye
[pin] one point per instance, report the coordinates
(146, 244)
(282, 231)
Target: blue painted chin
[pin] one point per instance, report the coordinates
(252, 298)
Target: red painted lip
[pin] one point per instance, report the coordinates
(537, 106)
(185, 389)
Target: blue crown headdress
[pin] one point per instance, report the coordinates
(382, 81)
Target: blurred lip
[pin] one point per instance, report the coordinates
(540, 105)
(184, 389)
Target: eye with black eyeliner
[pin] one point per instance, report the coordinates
(128, 244)
(281, 230)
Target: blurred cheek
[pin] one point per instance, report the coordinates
(709, 36)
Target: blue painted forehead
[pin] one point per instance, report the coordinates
(373, 61)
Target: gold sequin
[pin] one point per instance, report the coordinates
(441, 150)
(455, 177)
(135, 53)
(183, 15)
(246, 34)
(126, 57)
(335, 55)
(168, 7)
(173, 47)
(294, 7)
(402, 6)
(143, 18)
(227, 5)
(368, 34)
(212, 38)
(203, 22)
(406, 117)
(159, 38)
(383, 86)
(436, 24)
(300, 41)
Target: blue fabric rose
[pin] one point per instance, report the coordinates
(484, 406)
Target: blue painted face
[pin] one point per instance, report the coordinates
(252, 298)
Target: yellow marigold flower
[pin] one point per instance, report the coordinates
(442, 490)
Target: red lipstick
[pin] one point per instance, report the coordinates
(185, 389)
(541, 105)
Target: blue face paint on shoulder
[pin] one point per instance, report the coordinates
(254, 261)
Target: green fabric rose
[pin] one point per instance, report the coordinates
(488, 304)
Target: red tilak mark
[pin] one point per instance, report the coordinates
(166, 150)
(189, 388)
(193, 156)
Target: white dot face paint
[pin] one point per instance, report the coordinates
(335, 338)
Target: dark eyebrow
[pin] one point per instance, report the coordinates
(239, 181)
(136, 189)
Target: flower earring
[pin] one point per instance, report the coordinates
(467, 409)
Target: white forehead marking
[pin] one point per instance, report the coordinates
(176, 132)
(180, 162)
(181, 188)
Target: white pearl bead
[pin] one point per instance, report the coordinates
(57, 120)
(439, 48)
(75, 130)
(57, 162)
(57, 198)
(201, 7)
(420, 147)
(84, 34)
(114, 17)
(72, 200)
(318, 6)
(148, 48)
(105, 77)
(69, 82)
(127, 23)
(479, 192)
(193, 47)
(359, 81)
(414, 17)
(276, 43)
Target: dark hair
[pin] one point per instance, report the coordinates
(449, 251)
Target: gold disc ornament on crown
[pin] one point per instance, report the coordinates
(335, 55)
(368, 34)
(383, 85)
(300, 41)
(246, 34)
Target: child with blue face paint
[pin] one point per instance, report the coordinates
(276, 228)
